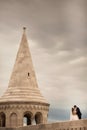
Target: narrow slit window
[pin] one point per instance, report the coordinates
(28, 74)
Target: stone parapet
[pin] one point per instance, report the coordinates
(67, 125)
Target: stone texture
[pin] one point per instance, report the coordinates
(23, 97)
(23, 85)
(67, 125)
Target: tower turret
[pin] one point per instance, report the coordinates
(22, 101)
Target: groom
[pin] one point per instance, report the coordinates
(78, 111)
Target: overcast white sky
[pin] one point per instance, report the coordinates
(57, 35)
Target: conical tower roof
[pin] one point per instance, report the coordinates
(23, 85)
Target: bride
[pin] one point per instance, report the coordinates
(74, 115)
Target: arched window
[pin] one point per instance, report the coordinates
(27, 118)
(2, 119)
(13, 120)
(38, 118)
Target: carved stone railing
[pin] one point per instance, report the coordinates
(67, 125)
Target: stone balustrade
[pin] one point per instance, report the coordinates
(66, 125)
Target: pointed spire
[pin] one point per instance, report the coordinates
(24, 28)
(23, 84)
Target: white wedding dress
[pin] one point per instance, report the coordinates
(74, 116)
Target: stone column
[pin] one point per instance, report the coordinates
(7, 119)
(45, 116)
(20, 118)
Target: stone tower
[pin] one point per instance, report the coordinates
(22, 103)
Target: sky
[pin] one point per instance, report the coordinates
(57, 36)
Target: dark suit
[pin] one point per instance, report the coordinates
(78, 112)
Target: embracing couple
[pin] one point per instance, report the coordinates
(75, 113)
